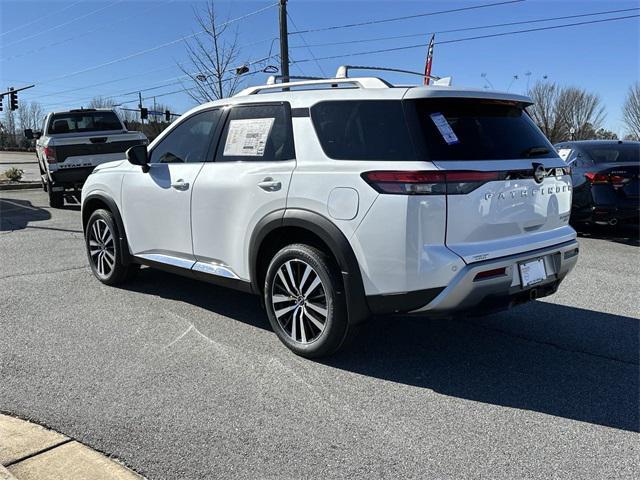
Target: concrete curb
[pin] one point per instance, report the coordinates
(20, 186)
(29, 451)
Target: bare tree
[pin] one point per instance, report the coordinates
(102, 102)
(631, 111)
(212, 56)
(581, 111)
(10, 127)
(544, 110)
(559, 110)
(30, 115)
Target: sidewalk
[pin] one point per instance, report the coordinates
(25, 161)
(31, 452)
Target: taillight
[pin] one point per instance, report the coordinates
(407, 183)
(428, 183)
(618, 180)
(597, 177)
(50, 154)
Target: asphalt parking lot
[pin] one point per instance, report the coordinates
(179, 379)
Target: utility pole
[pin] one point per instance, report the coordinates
(140, 107)
(284, 42)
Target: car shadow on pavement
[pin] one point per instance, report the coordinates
(223, 301)
(625, 234)
(557, 360)
(17, 214)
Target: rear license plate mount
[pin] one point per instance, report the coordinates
(532, 272)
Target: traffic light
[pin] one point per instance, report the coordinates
(13, 100)
(167, 115)
(1, 98)
(144, 113)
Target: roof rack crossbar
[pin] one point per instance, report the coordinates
(343, 71)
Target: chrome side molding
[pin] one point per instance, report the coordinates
(167, 259)
(214, 269)
(203, 267)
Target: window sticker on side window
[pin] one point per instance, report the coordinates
(563, 153)
(444, 128)
(247, 137)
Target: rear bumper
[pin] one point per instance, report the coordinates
(467, 294)
(70, 177)
(603, 214)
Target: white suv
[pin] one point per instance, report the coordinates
(341, 198)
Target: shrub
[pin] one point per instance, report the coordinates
(14, 174)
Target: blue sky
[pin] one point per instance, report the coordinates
(49, 42)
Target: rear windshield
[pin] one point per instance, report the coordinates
(619, 153)
(428, 129)
(74, 122)
(470, 129)
(363, 130)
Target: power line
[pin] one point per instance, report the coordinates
(405, 17)
(423, 45)
(146, 73)
(155, 87)
(42, 32)
(84, 87)
(183, 90)
(464, 29)
(308, 49)
(40, 18)
(152, 49)
(100, 28)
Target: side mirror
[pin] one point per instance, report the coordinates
(138, 156)
(31, 135)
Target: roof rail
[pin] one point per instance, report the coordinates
(273, 79)
(343, 71)
(360, 82)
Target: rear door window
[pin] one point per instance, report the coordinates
(76, 122)
(363, 130)
(472, 129)
(257, 133)
(613, 153)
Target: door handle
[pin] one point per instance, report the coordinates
(270, 185)
(180, 185)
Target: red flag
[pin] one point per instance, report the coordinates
(427, 67)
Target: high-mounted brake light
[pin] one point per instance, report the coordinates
(50, 154)
(428, 183)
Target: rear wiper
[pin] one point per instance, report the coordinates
(534, 151)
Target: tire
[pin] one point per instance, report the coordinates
(103, 250)
(56, 199)
(305, 302)
(43, 177)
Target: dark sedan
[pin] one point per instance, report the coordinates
(605, 176)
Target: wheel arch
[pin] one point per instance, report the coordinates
(296, 225)
(95, 201)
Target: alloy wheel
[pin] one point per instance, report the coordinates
(102, 248)
(299, 301)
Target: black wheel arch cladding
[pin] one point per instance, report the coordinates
(329, 233)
